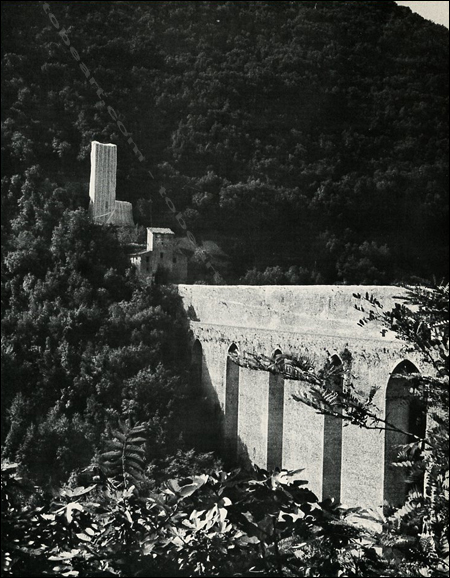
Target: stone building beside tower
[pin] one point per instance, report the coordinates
(163, 256)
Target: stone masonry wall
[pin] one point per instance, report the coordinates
(316, 321)
(123, 214)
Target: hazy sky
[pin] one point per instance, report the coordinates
(436, 11)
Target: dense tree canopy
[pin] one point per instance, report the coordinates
(83, 339)
(295, 134)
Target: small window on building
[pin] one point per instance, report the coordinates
(147, 259)
(161, 255)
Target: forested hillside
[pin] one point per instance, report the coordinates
(309, 138)
(84, 341)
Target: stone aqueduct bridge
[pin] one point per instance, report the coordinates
(258, 416)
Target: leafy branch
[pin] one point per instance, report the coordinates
(319, 391)
(125, 456)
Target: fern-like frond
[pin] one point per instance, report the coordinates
(124, 458)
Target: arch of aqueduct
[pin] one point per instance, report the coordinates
(259, 418)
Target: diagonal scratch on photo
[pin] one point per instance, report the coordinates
(225, 299)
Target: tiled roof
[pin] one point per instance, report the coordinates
(161, 231)
(140, 253)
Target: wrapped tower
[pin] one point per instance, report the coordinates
(103, 207)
